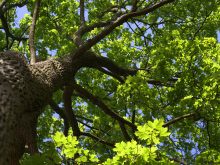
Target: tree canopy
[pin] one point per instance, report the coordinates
(152, 94)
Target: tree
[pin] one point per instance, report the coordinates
(109, 82)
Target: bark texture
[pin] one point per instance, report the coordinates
(24, 91)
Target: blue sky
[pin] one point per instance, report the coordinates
(20, 13)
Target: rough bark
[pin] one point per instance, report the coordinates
(24, 91)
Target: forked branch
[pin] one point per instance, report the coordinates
(119, 21)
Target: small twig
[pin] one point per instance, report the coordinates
(97, 139)
(178, 119)
(201, 26)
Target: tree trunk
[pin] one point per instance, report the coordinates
(24, 91)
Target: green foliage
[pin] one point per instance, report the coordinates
(152, 131)
(208, 157)
(70, 149)
(49, 157)
(134, 153)
(177, 52)
(125, 152)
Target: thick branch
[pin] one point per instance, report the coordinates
(69, 112)
(95, 61)
(32, 31)
(110, 68)
(123, 18)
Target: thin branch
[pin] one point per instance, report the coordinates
(92, 128)
(208, 133)
(124, 131)
(6, 28)
(32, 31)
(111, 74)
(109, 67)
(97, 139)
(87, 95)
(134, 5)
(2, 4)
(175, 120)
(84, 29)
(111, 9)
(78, 35)
(133, 116)
(82, 13)
(201, 26)
(84, 118)
(59, 111)
(13, 5)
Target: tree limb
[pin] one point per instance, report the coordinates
(68, 90)
(82, 13)
(62, 114)
(87, 95)
(124, 131)
(134, 5)
(32, 31)
(119, 21)
(111, 74)
(95, 61)
(6, 26)
(179, 118)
